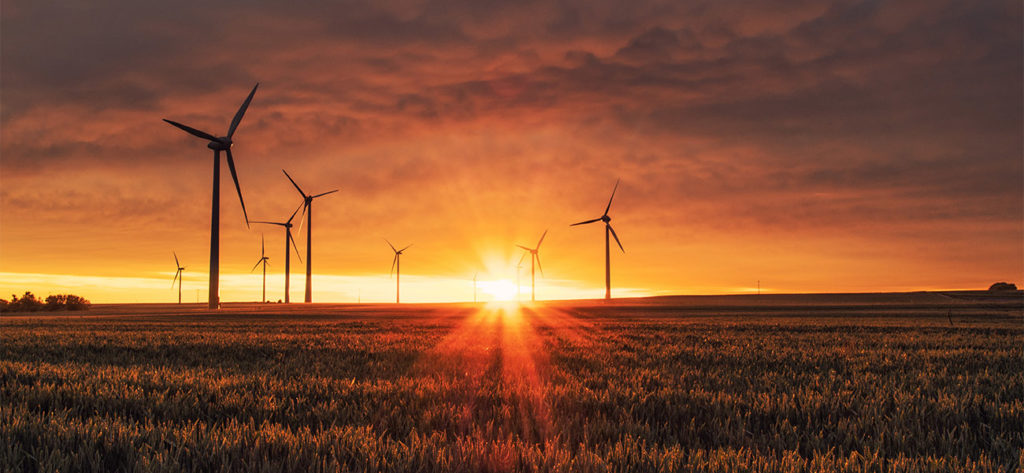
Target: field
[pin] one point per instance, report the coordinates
(911, 382)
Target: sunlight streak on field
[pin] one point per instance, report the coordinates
(497, 354)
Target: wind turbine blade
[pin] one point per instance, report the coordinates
(521, 259)
(263, 247)
(176, 273)
(293, 183)
(542, 239)
(609, 207)
(297, 254)
(392, 246)
(616, 238)
(234, 176)
(325, 193)
(525, 248)
(176, 263)
(296, 211)
(193, 131)
(241, 112)
(268, 223)
(392, 273)
(406, 248)
(586, 222)
(257, 265)
(302, 218)
(541, 268)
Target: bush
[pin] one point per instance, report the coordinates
(1003, 286)
(29, 303)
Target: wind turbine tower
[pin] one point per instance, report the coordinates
(534, 257)
(287, 224)
(263, 261)
(519, 267)
(607, 254)
(178, 276)
(307, 211)
(396, 269)
(218, 144)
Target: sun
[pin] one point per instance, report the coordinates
(498, 290)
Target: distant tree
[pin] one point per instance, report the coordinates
(1003, 286)
(29, 303)
(73, 302)
(55, 302)
(26, 303)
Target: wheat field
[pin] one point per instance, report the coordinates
(492, 388)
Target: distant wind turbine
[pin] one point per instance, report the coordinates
(217, 145)
(518, 285)
(178, 276)
(534, 256)
(307, 211)
(287, 224)
(607, 229)
(396, 269)
(474, 286)
(263, 261)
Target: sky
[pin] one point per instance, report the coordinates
(842, 146)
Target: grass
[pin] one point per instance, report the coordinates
(547, 388)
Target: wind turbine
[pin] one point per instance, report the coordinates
(534, 256)
(396, 269)
(287, 254)
(607, 229)
(222, 143)
(263, 261)
(178, 276)
(474, 286)
(307, 206)
(518, 285)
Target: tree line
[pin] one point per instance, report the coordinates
(30, 303)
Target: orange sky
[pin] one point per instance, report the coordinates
(812, 146)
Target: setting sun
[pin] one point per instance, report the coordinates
(500, 290)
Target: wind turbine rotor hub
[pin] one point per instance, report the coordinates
(606, 219)
(222, 144)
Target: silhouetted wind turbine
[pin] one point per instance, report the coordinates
(263, 261)
(287, 254)
(518, 285)
(534, 256)
(396, 269)
(178, 276)
(307, 206)
(217, 145)
(607, 229)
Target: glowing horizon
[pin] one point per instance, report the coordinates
(328, 288)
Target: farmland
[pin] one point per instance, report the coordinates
(723, 384)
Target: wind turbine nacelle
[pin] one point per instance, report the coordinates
(606, 219)
(223, 144)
